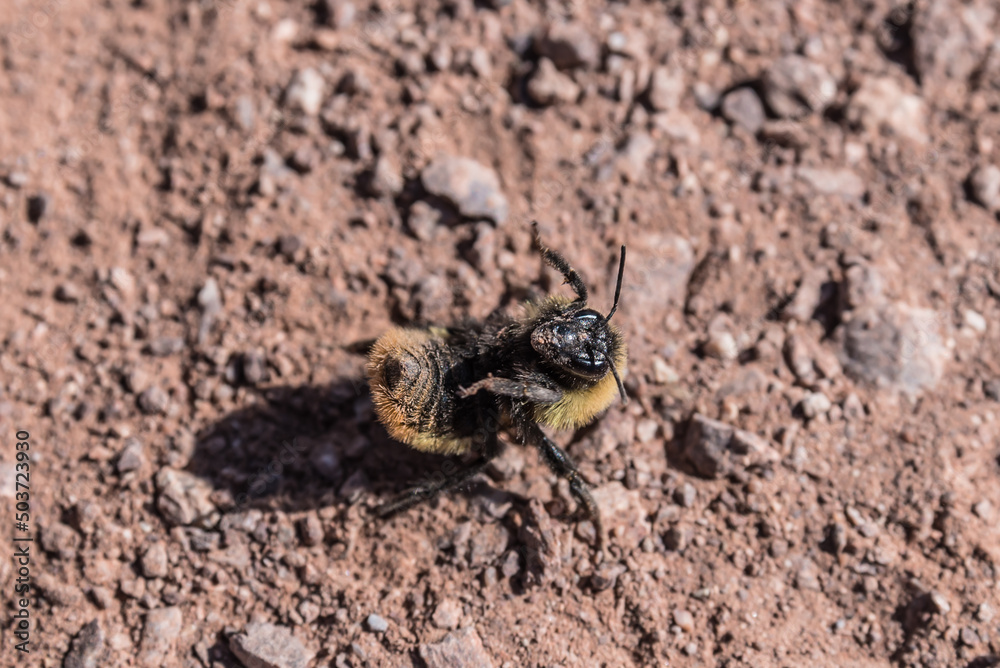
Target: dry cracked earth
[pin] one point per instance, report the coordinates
(206, 208)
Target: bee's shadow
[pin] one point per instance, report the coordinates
(302, 447)
(299, 448)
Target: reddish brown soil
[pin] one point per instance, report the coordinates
(151, 148)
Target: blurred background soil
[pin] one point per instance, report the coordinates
(205, 204)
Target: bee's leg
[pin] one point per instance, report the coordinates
(559, 263)
(561, 464)
(488, 445)
(516, 389)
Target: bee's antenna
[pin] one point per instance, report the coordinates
(618, 293)
(621, 388)
(614, 307)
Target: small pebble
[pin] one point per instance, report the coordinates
(447, 614)
(16, 179)
(984, 184)
(991, 388)
(685, 495)
(815, 404)
(87, 648)
(311, 530)
(473, 188)
(459, 649)
(742, 107)
(68, 293)
(969, 637)
(154, 401)
(983, 510)
(264, 644)
(675, 539)
(975, 321)
(663, 373)
(666, 89)
(376, 624)
(570, 45)
(132, 457)
(549, 86)
(154, 560)
(940, 603)
(305, 92)
(159, 634)
(38, 206)
(684, 619)
(795, 86)
(807, 575)
(645, 430)
(165, 346)
(721, 345)
(779, 548)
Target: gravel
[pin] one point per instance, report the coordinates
(87, 649)
(154, 401)
(154, 560)
(684, 620)
(459, 649)
(569, 45)
(896, 345)
(984, 183)
(159, 633)
(132, 457)
(38, 206)
(881, 103)
(549, 86)
(744, 108)
(376, 624)
(185, 499)
(815, 404)
(794, 86)
(447, 615)
(305, 92)
(473, 188)
(685, 495)
(835, 181)
(717, 449)
(666, 89)
(265, 645)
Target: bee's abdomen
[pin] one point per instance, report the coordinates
(412, 373)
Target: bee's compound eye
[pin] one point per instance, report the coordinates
(588, 315)
(397, 369)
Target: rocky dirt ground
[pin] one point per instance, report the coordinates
(205, 204)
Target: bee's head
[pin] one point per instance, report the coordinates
(579, 341)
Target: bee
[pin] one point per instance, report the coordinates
(451, 390)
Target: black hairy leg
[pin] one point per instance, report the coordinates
(488, 449)
(515, 389)
(559, 263)
(561, 464)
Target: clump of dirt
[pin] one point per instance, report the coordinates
(207, 208)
